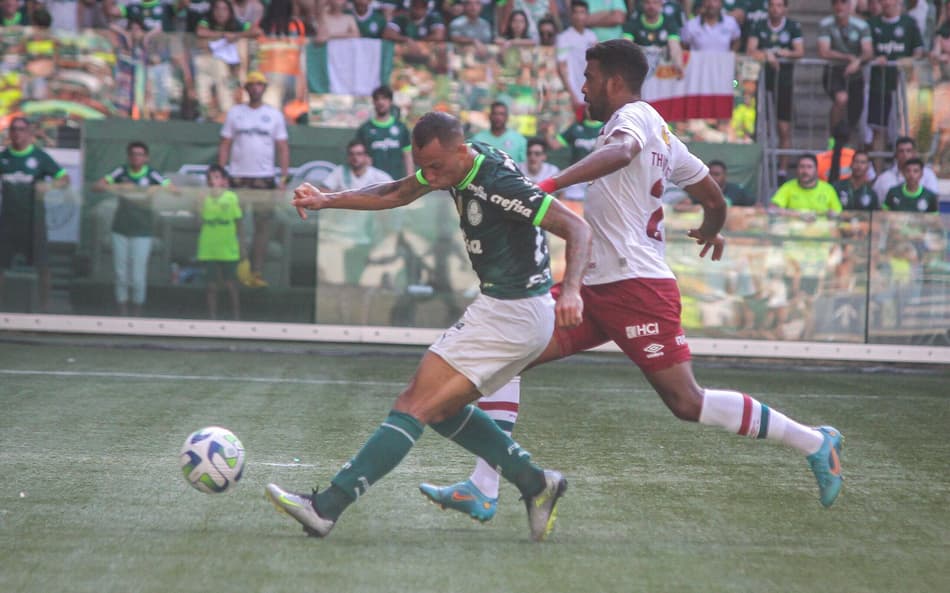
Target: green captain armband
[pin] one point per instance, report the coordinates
(420, 178)
(548, 198)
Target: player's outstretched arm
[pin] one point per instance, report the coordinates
(707, 192)
(616, 154)
(379, 196)
(575, 231)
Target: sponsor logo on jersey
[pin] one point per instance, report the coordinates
(385, 144)
(511, 205)
(654, 350)
(681, 340)
(644, 329)
(17, 177)
(474, 213)
(478, 191)
(32, 163)
(474, 246)
(891, 47)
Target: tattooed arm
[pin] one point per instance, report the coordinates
(380, 196)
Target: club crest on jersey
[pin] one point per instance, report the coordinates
(32, 163)
(473, 212)
(666, 135)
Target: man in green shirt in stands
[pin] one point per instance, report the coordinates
(806, 196)
(499, 136)
(911, 196)
(386, 137)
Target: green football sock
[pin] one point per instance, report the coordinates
(383, 451)
(474, 430)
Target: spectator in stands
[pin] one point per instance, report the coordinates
(370, 22)
(221, 240)
(155, 15)
(218, 58)
(94, 14)
(572, 44)
(12, 14)
(856, 192)
(334, 23)
(778, 38)
(924, 14)
(905, 148)
(358, 171)
(499, 136)
(845, 39)
(940, 57)
(547, 32)
(279, 53)
(469, 28)
(387, 137)
(537, 168)
(711, 30)
(733, 192)
(252, 135)
(606, 18)
(579, 137)
(534, 11)
(249, 11)
(754, 12)
(24, 169)
(734, 8)
(418, 24)
(195, 11)
(806, 196)
(135, 184)
(911, 195)
(895, 36)
(517, 33)
(652, 28)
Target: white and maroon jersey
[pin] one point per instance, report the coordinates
(624, 208)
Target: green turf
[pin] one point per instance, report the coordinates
(654, 504)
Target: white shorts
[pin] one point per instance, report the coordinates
(496, 339)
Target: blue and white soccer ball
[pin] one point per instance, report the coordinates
(212, 460)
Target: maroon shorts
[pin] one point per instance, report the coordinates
(640, 315)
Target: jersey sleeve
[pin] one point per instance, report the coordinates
(627, 121)
(113, 175)
(686, 168)
(404, 140)
(50, 168)
(156, 178)
(227, 128)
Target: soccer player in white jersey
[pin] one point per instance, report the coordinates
(630, 294)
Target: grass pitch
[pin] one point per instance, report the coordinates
(91, 498)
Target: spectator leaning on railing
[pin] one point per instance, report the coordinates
(846, 40)
(778, 38)
(806, 196)
(279, 55)
(534, 11)
(547, 32)
(895, 37)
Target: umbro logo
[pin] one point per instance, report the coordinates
(654, 350)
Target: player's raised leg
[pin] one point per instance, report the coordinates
(478, 496)
(746, 416)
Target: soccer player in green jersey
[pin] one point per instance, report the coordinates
(911, 196)
(23, 169)
(509, 324)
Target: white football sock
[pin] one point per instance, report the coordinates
(502, 407)
(741, 414)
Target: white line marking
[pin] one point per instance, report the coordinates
(161, 377)
(302, 465)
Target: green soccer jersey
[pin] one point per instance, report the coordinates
(898, 199)
(499, 213)
(370, 25)
(134, 216)
(20, 171)
(846, 39)
(154, 15)
(218, 240)
(856, 198)
(893, 39)
(645, 34)
(781, 37)
(386, 142)
(821, 199)
(580, 138)
(417, 29)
